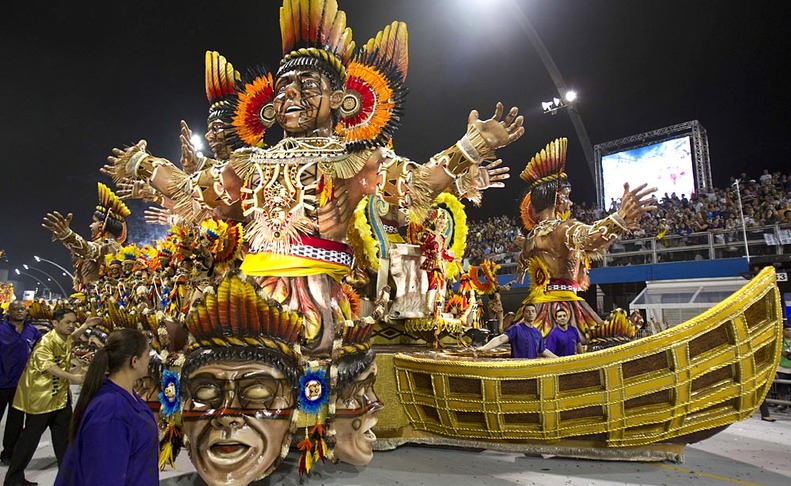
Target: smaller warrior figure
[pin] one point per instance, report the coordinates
(108, 232)
(557, 251)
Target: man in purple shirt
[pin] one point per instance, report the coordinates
(564, 340)
(17, 338)
(525, 339)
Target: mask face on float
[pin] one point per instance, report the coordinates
(304, 102)
(148, 388)
(234, 420)
(355, 416)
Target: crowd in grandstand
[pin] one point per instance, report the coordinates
(765, 201)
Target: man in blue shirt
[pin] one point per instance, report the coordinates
(17, 338)
(564, 340)
(525, 339)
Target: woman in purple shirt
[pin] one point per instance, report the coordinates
(113, 439)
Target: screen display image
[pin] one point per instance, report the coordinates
(667, 165)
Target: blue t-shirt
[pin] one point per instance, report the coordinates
(116, 444)
(563, 343)
(526, 341)
(15, 350)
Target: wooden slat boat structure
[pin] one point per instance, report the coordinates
(678, 386)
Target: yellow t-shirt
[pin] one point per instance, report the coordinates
(40, 391)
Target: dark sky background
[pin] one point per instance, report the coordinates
(82, 77)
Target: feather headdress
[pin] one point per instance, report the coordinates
(111, 207)
(548, 164)
(221, 85)
(237, 315)
(544, 174)
(315, 35)
(374, 93)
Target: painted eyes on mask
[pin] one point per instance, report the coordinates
(259, 392)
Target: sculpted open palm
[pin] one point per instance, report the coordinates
(499, 133)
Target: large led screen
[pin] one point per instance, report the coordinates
(665, 165)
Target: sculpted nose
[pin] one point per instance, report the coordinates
(228, 421)
(291, 91)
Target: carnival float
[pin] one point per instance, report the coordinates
(304, 295)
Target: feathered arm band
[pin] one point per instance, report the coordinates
(599, 236)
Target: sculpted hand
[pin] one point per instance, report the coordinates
(635, 203)
(130, 189)
(489, 176)
(160, 216)
(499, 133)
(118, 154)
(188, 161)
(107, 170)
(57, 223)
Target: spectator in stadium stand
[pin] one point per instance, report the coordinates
(562, 339)
(17, 338)
(715, 210)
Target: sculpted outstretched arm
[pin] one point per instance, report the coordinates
(76, 244)
(411, 185)
(602, 233)
(189, 194)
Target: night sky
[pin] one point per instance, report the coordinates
(80, 78)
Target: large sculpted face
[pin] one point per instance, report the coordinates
(304, 101)
(215, 136)
(235, 422)
(356, 409)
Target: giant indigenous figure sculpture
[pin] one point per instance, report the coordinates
(338, 109)
(557, 251)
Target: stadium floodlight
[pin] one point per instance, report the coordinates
(552, 107)
(50, 278)
(40, 259)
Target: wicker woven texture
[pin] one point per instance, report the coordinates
(706, 373)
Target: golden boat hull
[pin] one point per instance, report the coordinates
(680, 385)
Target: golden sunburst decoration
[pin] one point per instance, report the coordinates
(540, 276)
